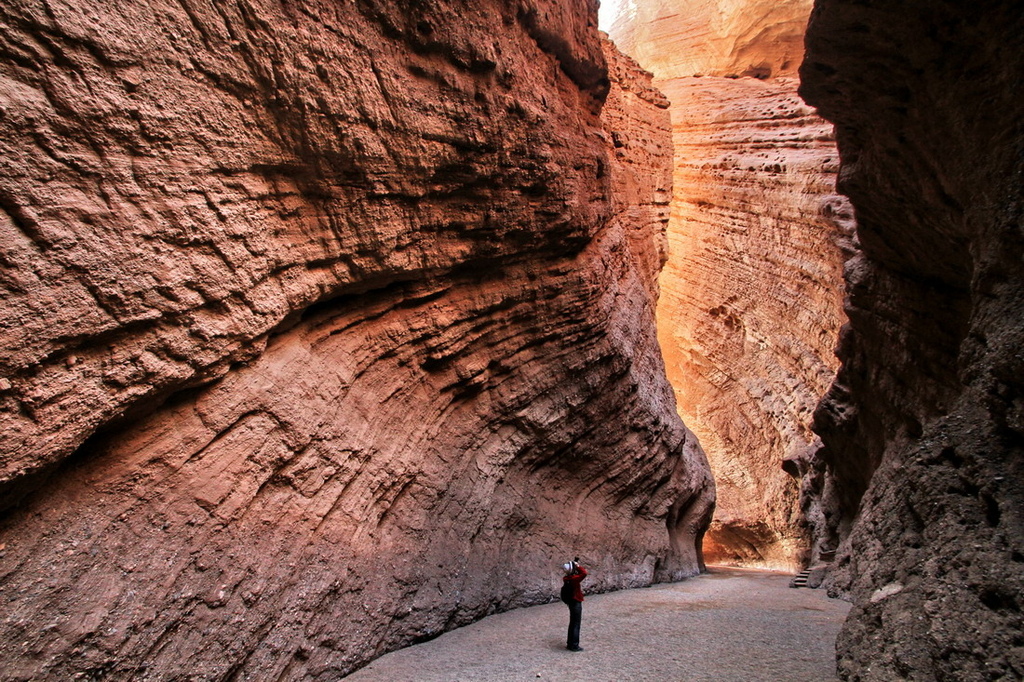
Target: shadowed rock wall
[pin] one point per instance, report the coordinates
(924, 427)
(751, 297)
(322, 331)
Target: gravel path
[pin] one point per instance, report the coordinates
(724, 626)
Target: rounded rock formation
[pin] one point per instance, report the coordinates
(731, 38)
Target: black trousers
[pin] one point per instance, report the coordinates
(575, 620)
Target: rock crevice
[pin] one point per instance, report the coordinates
(751, 298)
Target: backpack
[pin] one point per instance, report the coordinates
(568, 594)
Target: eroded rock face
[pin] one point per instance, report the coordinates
(751, 299)
(329, 163)
(923, 429)
(681, 38)
(379, 249)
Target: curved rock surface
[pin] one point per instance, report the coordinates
(751, 301)
(681, 38)
(924, 427)
(322, 332)
(179, 178)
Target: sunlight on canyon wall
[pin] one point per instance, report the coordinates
(752, 293)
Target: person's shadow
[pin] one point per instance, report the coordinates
(556, 644)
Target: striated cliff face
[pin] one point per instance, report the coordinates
(322, 331)
(679, 38)
(751, 299)
(178, 180)
(924, 427)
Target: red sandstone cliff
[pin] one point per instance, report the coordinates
(751, 299)
(681, 38)
(924, 427)
(322, 331)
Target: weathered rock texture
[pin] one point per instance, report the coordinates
(678, 38)
(924, 427)
(752, 294)
(322, 332)
(752, 300)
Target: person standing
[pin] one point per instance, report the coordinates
(572, 595)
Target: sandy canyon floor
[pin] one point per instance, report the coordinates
(727, 625)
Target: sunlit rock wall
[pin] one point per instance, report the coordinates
(752, 294)
(924, 427)
(751, 303)
(322, 332)
(675, 38)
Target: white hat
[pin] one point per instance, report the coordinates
(567, 567)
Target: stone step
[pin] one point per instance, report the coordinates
(800, 580)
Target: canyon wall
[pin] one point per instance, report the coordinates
(680, 38)
(322, 330)
(923, 429)
(751, 301)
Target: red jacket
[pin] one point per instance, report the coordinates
(576, 578)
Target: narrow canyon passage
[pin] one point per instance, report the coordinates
(329, 327)
(730, 625)
(751, 295)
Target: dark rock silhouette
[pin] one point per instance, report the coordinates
(923, 430)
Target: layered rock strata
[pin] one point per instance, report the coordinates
(751, 300)
(322, 331)
(924, 427)
(681, 38)
(752, 294)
